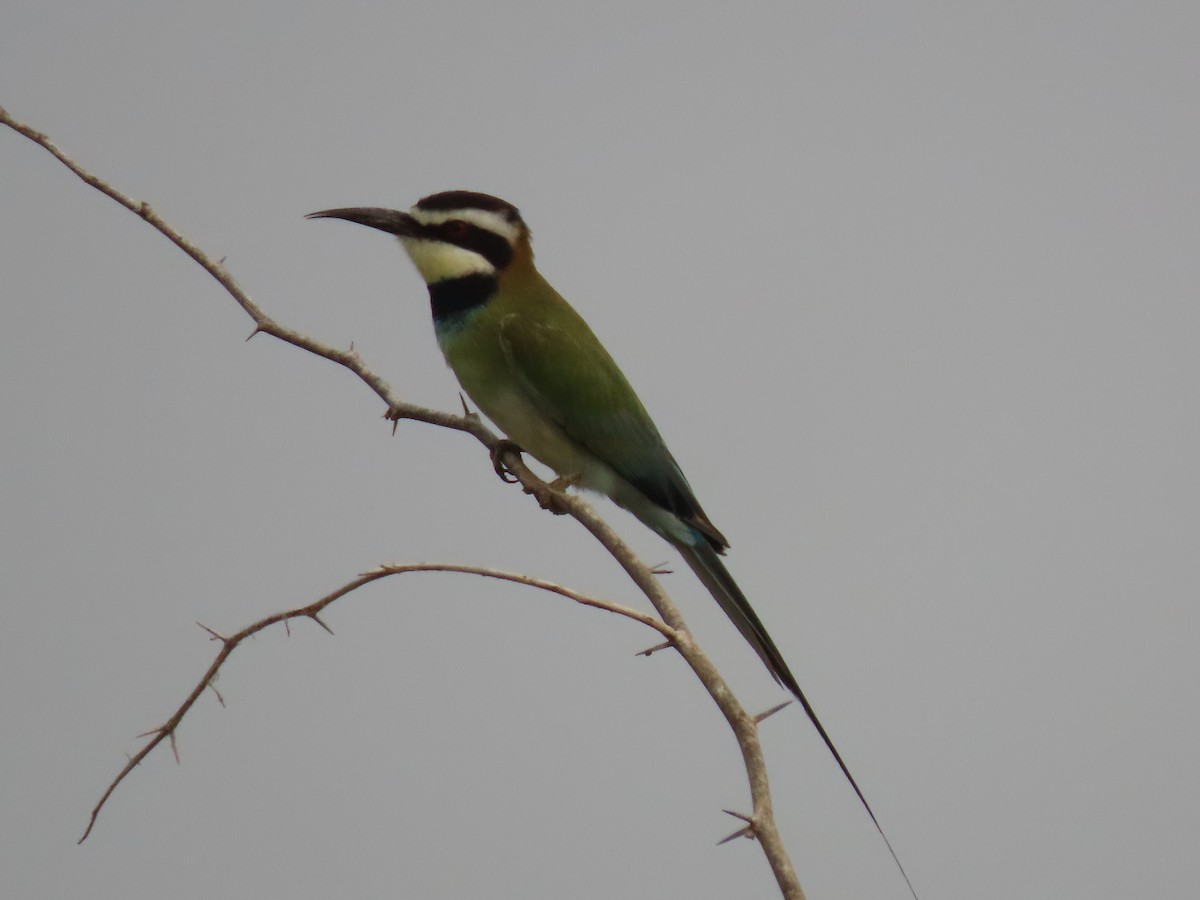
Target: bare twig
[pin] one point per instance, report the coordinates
(744, 726)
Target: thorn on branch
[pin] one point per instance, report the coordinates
(394, 414)
(212, 687)
(174, 746)
(746, 832)
(316, 617)
(214, 635)
(770, 712)
(257, 330)
(649, 651)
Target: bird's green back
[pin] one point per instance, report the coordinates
(563, 369)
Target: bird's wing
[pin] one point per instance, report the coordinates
(566, 372)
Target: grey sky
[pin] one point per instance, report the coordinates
(910, 289)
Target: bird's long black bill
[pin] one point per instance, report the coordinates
(390, 220)
(712, 573)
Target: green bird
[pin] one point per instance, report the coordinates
(533, 366)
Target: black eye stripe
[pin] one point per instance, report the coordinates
(491, 246)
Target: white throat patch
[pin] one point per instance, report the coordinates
(440, 262)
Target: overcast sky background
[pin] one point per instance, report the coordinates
(911, 290)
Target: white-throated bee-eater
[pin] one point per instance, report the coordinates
(534, 367)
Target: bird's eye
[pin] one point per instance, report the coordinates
(455, 228)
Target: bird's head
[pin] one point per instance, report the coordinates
(451, 235)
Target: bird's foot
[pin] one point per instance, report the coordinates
(498, 449)
(553, 497)
(562, 482)
(550, 498)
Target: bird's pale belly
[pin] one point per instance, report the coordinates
(543, 439)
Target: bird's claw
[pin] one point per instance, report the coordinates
(562, 482)
(552, 497)
(498, 449)
(549, 498)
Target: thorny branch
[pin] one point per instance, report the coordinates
(761, 822)
(313, 611)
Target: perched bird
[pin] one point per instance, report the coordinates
(534, 367)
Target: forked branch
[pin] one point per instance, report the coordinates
(743, 725)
